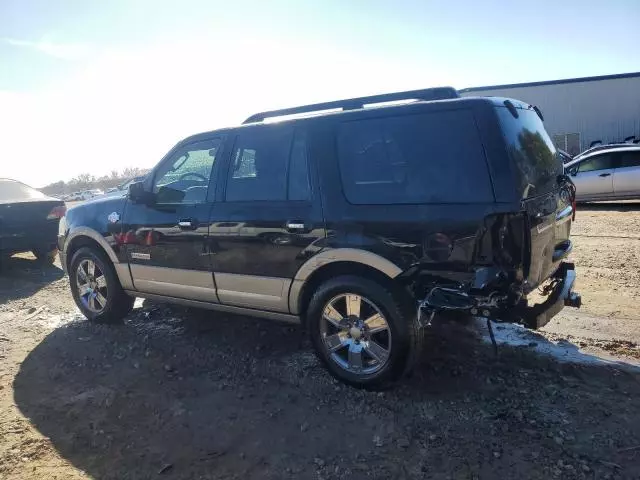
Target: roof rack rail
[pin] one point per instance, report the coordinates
(438, 93)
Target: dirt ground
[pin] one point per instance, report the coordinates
(179, 393)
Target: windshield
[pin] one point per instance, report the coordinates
(10, 191)
(532, 151)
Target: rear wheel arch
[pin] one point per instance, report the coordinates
(335, 269)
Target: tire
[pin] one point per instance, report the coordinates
(117, 304)
(401, 341)
(44, 256)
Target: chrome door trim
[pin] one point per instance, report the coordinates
(253, 312)
(253, 291)
(174, 282)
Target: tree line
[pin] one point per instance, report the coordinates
(86, 181)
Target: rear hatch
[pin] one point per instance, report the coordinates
(546, 204)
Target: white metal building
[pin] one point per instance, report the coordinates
(579, 111)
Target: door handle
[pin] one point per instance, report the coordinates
(296, 226)
(187, 224)
(604, 174)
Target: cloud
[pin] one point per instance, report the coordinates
(65, 51)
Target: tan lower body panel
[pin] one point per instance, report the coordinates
(174, 282)
(252, 291)
(277, 316)
(122, 271)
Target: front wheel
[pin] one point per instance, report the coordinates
(363, 334)
(96, 289)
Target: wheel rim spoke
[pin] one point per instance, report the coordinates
(376, 323)
(377, 352)
(82, 274)
(84, 289)
(333, 316)
(355, 357)
(353, 305)
(101, 281)
(91, 267)
(337, 341)
(100, 299)
(92, 302)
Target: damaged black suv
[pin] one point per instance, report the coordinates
(361, 218)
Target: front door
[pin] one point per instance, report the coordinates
(594, 177)
(167, 240)
(270, 221)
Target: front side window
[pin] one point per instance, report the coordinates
(424, 158)
(184, 178)
(268, 164)
(598, 162)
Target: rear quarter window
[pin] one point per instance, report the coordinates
(426, 158)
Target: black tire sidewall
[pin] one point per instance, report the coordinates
(110, 313)
(388, 305)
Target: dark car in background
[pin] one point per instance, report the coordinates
(28, 220)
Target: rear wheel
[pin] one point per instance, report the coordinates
(96, 289)
(363, 334)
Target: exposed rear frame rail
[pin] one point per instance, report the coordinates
(428, 94)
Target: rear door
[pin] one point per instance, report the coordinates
(269, 220)
(626, 176)
(594, 177)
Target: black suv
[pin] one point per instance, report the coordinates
(361, 218)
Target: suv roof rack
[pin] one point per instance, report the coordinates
(428, 94)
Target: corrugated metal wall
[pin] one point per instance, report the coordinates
(607, 110)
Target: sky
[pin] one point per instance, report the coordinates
(90, 86)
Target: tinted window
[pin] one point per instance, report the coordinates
(427, 158)
(269, 164)
(299, 186)
(531, 150)
(629, 159)
(598, 162)
(10, 191)
(184, 178)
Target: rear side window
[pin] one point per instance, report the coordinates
(426, 158)
(531, 150)
(269, 164)
(629, 159)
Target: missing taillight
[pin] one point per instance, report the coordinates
(57, 212)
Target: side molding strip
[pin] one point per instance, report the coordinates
(280, 317)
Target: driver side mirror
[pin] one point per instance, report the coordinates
(138, 194)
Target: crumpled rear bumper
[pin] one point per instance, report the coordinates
(538, 315)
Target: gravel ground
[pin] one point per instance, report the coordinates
(179, 393)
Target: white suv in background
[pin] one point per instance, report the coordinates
(607, 172)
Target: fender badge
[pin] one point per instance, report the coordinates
(113, 217)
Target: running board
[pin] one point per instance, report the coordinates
(252, 312)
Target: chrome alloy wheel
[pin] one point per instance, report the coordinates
(92, 286)
(356, 334)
